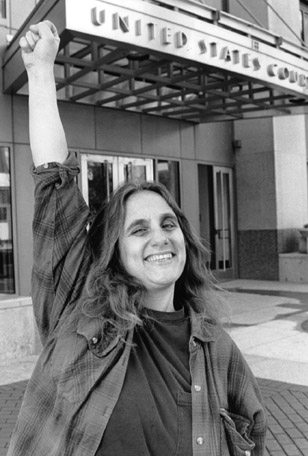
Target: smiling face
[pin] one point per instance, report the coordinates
(152, 245)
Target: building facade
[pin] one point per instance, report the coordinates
(208, 97)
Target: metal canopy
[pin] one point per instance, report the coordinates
(98, 72)
(104, 75)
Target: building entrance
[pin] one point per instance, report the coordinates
(217, 218)
(101, 175)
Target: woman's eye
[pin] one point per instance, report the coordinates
(169, 225)
(139, 231)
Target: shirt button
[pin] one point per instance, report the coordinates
(200, 440)
(197, 388)
(94, 340)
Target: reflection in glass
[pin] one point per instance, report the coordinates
(168, 175)
(223, 226)
(100, 183)
(3, 13)
(134, 173)
(6, 242)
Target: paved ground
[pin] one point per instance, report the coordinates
(269, 323)
(287, 407)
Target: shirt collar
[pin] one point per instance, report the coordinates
(102, 339)
(203, 329)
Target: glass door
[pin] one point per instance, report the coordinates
(101, 175)
(98, 174)
(7, 280)
(223, 213)
(134, 169)
(217, 218)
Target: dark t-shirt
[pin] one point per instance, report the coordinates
(153, 414)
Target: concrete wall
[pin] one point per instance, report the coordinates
(256, 200)
(18, 11)
(291, 171)
(218, 4)
(289, 12)
(17, 333)
(255, 175)
(257, 9)
(271, 182)
(306, 131)
(270, 16)
(214, 143)
(6, 129)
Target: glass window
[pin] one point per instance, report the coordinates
(100, 184)
(304, 22)
(3, 11)
(7, 284)
(101, 175)
(225, 6)
(169, 175)
(222, 5)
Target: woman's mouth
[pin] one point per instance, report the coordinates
(159, 258)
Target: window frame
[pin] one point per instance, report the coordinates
(4, 7)
(107, 154)
(225, 6)
(12, 223)
(178, 196)
(303, 13)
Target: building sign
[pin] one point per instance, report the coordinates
(144, 26)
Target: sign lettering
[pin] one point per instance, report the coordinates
(182, 36)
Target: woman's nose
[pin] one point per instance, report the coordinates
(159, 237)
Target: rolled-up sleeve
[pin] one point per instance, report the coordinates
(61, 253)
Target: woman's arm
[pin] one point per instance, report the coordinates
(47, 138)
(61, 255)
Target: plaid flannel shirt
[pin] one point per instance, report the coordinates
(78, 378)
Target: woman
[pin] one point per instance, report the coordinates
(134, 361)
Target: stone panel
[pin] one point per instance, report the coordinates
(16, 328)
(78, 122)
(259, 250)
(256, 135)
(189, 194)
(214, 143)
(24, 209)
(288, 240)
(291, 171)
(256, 192)
(19, 11)
(289, 12)
(188, 149)
(161, 137)
(253, 9)
(5, 100)
(118, 131)
(258, 255)
(21, 120)
(293, 267)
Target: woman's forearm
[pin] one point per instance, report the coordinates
(47, 137)
(39, 49)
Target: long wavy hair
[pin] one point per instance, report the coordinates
(112, 294)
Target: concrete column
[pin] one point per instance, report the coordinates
(291, 171)
(271, 179)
